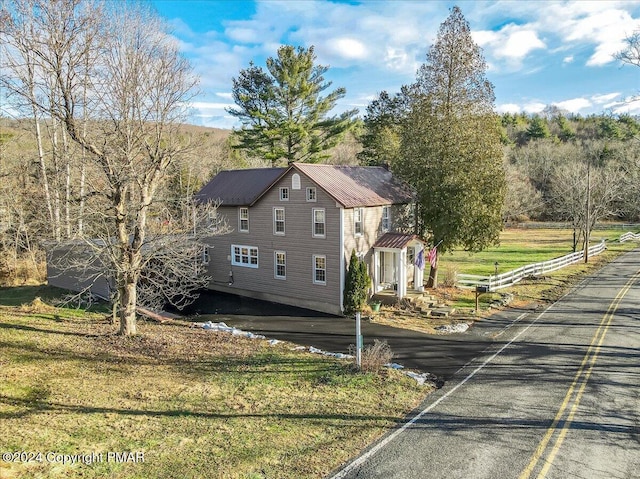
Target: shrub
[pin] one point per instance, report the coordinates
(357, 283)
(375, 356)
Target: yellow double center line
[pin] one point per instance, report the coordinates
(582, 377)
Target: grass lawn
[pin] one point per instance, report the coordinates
(519, 247)
(195, 403)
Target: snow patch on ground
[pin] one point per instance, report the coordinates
(420, 378)
(453, 328)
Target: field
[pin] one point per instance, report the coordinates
(192, 403)
(519, 247)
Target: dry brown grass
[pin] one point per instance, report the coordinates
(197, 403)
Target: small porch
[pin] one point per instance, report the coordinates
(398, 265)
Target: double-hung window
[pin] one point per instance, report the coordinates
(319, 269)
(280, 264)
(246, 256)
(243, 220)
(311, 193)
(284, 194)
(278, 221)
(318, 223)
(386, 218)
(358, 213)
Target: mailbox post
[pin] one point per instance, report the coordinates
(479, 291)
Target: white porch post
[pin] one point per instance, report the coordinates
(376, 272)
(418, 274)
(402, 273)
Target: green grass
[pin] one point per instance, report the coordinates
(196, 403)
(519, 247)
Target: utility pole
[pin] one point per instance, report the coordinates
(587, 227)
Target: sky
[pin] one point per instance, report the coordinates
(538, 53)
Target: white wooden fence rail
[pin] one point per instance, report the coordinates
(629, 236)
(495, 282)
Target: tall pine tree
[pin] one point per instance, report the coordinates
(284, 117)
(451, 145)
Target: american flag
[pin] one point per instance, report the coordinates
(433, 256)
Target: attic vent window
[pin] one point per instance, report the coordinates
(295, 181)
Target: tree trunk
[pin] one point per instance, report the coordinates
(128, 297)
(432, 282)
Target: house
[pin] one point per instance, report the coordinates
(293, 230)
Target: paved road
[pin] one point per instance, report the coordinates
(557, 395)
(439, 355)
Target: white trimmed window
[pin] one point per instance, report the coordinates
(243, 220)
(319, 269)
(386, 218)
(205, 255)
(295, 181)
(280, 264)
(319, 223)
(358, 213)
(246, 256)
(284, 194)
(278, 221)
(311, 193)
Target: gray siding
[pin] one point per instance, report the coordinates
(62, 275)
(298, 243)
(372, 229)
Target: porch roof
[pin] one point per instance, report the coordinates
(396, 240)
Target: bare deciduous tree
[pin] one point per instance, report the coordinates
(114, 65)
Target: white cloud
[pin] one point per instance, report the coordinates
(574, 105)
(512, 43)
(348, 48)
(568, 59)
(600, 99)
(534, 107)
(630, 106)
(508, 108)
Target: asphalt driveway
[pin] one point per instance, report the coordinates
(441, 355)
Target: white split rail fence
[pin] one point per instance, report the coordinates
(504, 280)
(629, 236)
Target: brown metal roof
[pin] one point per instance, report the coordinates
(240, 187)
(395, 240)
(354, 186)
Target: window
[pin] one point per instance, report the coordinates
(318, 223)
(244, 256)
(411, 255)
(284, 194)
(386, 218)
(244, 220)
(212, 221)
(280, 264)
(311, 193)
(205, 255)
(278, 221)
(319, 269)
(357, 221)
(295, 181)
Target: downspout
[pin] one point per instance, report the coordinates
(343, 265)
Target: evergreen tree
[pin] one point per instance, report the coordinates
(356, 290)
(452, 154)
(538, 128)
(282, 113)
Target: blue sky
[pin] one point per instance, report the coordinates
(539, 52)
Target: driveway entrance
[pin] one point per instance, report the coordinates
(436, 354)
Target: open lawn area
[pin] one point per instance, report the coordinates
(192, 403)
(522, 246)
